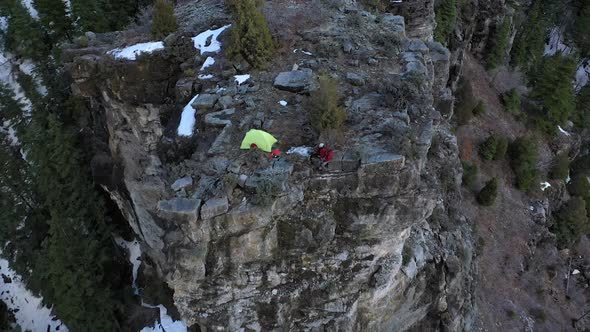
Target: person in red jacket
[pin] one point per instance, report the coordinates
(325, 154)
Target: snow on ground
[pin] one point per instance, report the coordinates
(205, 77)
(134, 258)
(68, 7)
(3, 23)
(241, 78)
(555, 43)
(303, 151)
(29, 5)
(583, 74)
(166, 323)
(208, 62)
(545, 185)
(302, 51)
(30, 313)
(563, 131)
(131, 52)
(187, 119)
(283, 103)
(207, 41)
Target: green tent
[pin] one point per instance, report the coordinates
(262, 139)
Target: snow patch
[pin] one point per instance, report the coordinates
(30, 313)
(582, 74)
(555, 43)
(575, 271)
(3, 23)
(303, 151)
(205, 77)
(563, 131)
(187, 119)
(29, 5)
(283, 103)
(302, 51)
(207, 41)
(545, 185)
(241, 78)
(134, 258)
(166, 323)
(208, 62)
(132, 52)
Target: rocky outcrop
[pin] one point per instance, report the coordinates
(373, 243)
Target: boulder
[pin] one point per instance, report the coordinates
(214, 207)
(184, 89)
(219, 119)
(204, 102)
(182, 183)
(295, 81)
(226, 102)
(180, 209)
(355, 79)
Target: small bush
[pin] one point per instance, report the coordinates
(571, 222)
(523, 160)
(539, 314)
(511, 314)
(190, 72)
(82, 41)
(561, 167)
(326, 112)
(501, 148)
(479, 109)
(487, 149)
(470, 172)
(164, 21)
(512, 101)
(250, 36)
(487, 196)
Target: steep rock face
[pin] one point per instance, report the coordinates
(373, 243)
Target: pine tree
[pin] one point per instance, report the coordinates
(581, 31)
(571, 222)
(24, 35)
(497, 55)
(446, 17)
(487, 150)
(582, 116)
(554, 89)
(523, 160)
(561, 167)
(528, 46)
(164, 21)
(501, 148)
(90, 15)
(487, 196)
(54, 17)
(250, 36)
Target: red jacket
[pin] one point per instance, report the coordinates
(326, 154)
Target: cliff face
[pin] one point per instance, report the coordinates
(372, 243)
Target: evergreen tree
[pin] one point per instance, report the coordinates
(582, 116)
(553, 88)
(581, 29)
(470, 172)
(479, 109)
(487, 150)
(250, 36)
(90, 15)
(501, 148)
(579, 186)
(164, 21)
(24, 35)
(524, 155)
(512, 101)
(487, 196)
(446, 17)
(497, 55)
(571, 222)
(54, 17)
(528, 46)
(560, 168)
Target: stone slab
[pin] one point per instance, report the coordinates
(214, 207)
(180, 209)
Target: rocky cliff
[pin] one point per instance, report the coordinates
(373, 243)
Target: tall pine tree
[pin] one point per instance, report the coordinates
(54, 17)
(24, 35)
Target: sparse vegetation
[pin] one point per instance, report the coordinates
(479, 109)
(266, 191)
(497, 55)
(523, 159)
(326, 112)
(487, 196)
(164, 21)
(250, 36)
(470, 172)
(512, 101)
(561, 166)
(539, 314)
(487, 149)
